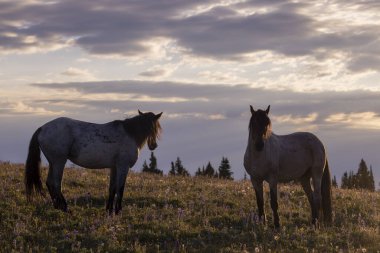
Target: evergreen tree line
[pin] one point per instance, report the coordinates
(224, 170)
(363, 179)
(177, 169)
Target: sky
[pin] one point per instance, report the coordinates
(201, 63)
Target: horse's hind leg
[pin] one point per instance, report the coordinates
(305, 182)
(317, 198)
(54, 182)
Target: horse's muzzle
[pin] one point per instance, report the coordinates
(152, 146)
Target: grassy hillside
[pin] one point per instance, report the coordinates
(177, 214)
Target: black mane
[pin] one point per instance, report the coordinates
(141, 128)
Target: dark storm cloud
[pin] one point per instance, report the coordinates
(124, 27)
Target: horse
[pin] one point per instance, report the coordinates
(299, 156)
(113, 145)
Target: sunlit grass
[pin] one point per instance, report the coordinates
(178, 214)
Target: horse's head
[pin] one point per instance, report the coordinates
(152, 126)
(259, 127)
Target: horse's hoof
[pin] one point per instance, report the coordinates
(109, 211)
(63, 206)
(263, 219)
(315, 224)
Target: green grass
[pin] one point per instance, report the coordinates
(176, 214)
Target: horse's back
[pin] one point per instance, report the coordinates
(300, 152)
(82, 142)
(303, 140)
(60, 130)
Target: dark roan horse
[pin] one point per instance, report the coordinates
(298, 156)
(113, 145)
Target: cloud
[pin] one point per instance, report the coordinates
(75, 72)
(296, 119)
(358, 120)
(289, 108)
(84, 59)
(22, 108)
(365, 62)
(153, 73)
(222, 30)
(220, 77)
(196, 116)
(302, 123)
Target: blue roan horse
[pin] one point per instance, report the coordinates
(113, 145)
(298, 156)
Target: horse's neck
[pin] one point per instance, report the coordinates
(133, 128)
(269, 145)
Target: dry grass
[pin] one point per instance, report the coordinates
(165, 214)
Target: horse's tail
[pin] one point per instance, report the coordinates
(32, 177)
(326, 195)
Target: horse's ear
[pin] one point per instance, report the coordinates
(158, 116)
(140, 112)
(267, 110)
(252, 110)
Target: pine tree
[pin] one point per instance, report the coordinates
(245, 176)
(371, 180)
(362, 176)
(344, 183)
(172, 171)
(180, 169)
(334, 183)
(225, 169)
(152, 162)
(198, 172)
(152, 168)
(145, 167)
(352, 180)
(209, 171)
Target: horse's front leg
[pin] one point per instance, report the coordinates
(112, 191)
(273, 202)
(122, 173)
(258, 186)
